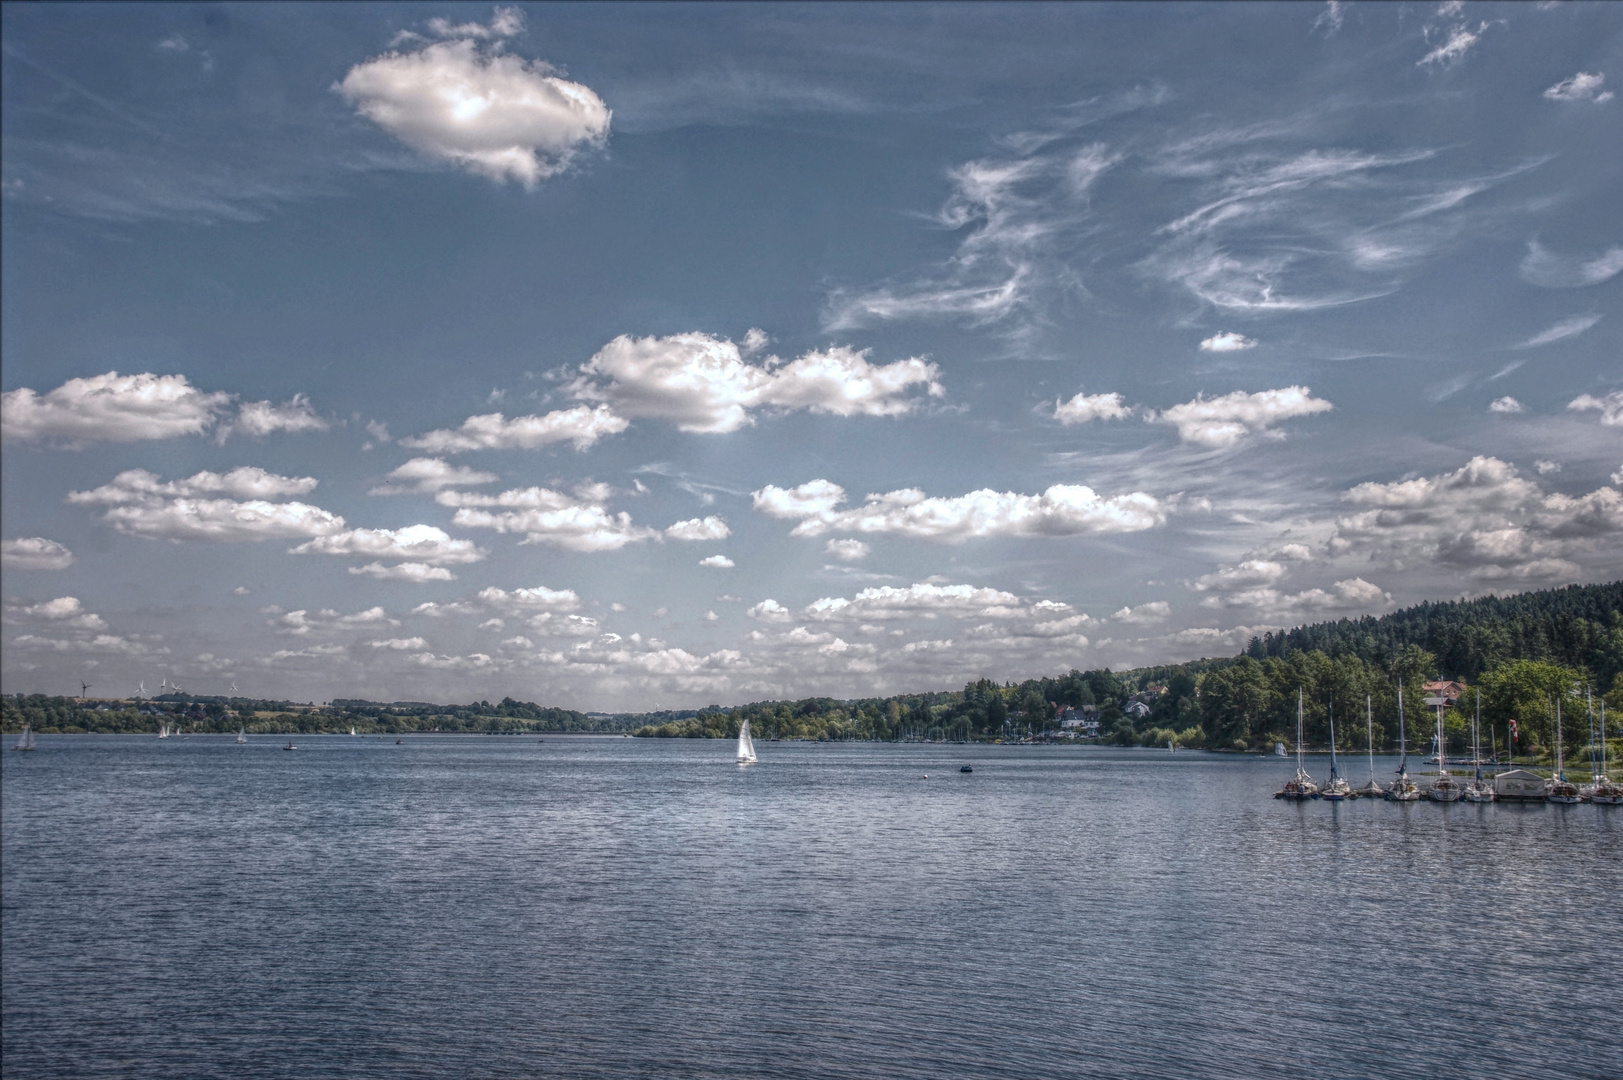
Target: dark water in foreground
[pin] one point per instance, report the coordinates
(505, 907)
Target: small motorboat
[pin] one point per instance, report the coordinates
(966, 768)
(290, 746)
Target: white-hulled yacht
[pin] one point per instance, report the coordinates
(1338, 788)
(1445, 788)
(1560, 789)
(1604, 791)
(1478, 790)
(1301, 786)
(1371, 790)
(746, 745)
(1403, 789)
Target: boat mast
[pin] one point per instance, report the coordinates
(1559, 770)
(1403, 738)
(1330, 708)
(1369, 728)
(1298, 729)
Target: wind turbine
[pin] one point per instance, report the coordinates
(84, 688)
(233, 689)
(140, 690)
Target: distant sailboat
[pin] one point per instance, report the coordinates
(1604, 791)
(1478, 790)
(163, 730)
(1280, 751)
(1301, 786)
(1403, 789)
(352, 731)
(746, 747)
(242, 734)
(1443, 789)
(1560, 789)
(1371, 790)
(25, 741)
(1337, 788)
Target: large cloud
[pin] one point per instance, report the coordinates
(141, 504)
(492, 113)
(1062, 510)
(413, 543)
(256, 419)
(111, 408)
(580, 425)
(1610, 407)
(1224, 421)
(703, 384)
(548, 517)
(34, 553)
(1486, 520)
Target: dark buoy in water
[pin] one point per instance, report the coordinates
(966, 768)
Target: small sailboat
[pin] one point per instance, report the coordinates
(163, 730)
(1478, 790)
(1444, 788)
(1604, 791)
(352, 732)
(1560, 789)
(1300, 787)
(1279, 750)
(1338, 788)
(25, 741)
(1403, 789)
(1371, 790)
(242, 734)
(746, 746)
(290, 746)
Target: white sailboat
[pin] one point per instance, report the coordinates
(1478, 790)
(1604, 791)
(1338, 788)
(746, 746)
(163, 730)
(1403, 789)
(1301, 786)
(1280, 751)
(25, 741)
(1560, 789)
(1444, 788)
(1371, 790)
(242, 734)
(352, 731)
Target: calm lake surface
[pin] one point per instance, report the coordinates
(466, 906)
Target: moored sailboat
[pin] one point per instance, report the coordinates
(1478, 790)
(1338, 788)
(1444, 788)
(1371, 790)
(1560, 789)
(1403, 789)
(1301, 786)
(1604, 791)
(746, 746)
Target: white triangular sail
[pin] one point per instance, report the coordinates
(242, 734)
(25, 741)
(746, 747)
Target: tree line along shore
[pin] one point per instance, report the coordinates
(1520, 654)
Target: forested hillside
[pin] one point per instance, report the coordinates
(1521, 652)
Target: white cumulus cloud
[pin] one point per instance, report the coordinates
(703, 384)
(847, 550)
(415, 572)
(1062, 510)
(428, 475)
(707, 528)
(1224, 421)
(1228, 341)
(580, 425)
(1144, 614)
(413, 543)
(718, 562)
(34, 553)
(548, 517)
(1085, 407)
(490, 112)
(1506, 405)
(141, 504)
(110, 408)
(256, 419)
(1584, 86)
(1610, 407)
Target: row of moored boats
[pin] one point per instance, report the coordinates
(1514, 785)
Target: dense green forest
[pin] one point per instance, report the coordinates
(1520, 653)
(204, 715)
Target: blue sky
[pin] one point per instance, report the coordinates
(653, 356)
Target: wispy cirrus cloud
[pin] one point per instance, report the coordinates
(1584, 86)
(1566, 328)
(1551, 270)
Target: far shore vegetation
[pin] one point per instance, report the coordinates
(1521, 653)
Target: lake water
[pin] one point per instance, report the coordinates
(468, 906)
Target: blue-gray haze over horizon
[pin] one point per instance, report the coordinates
(637, 356)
